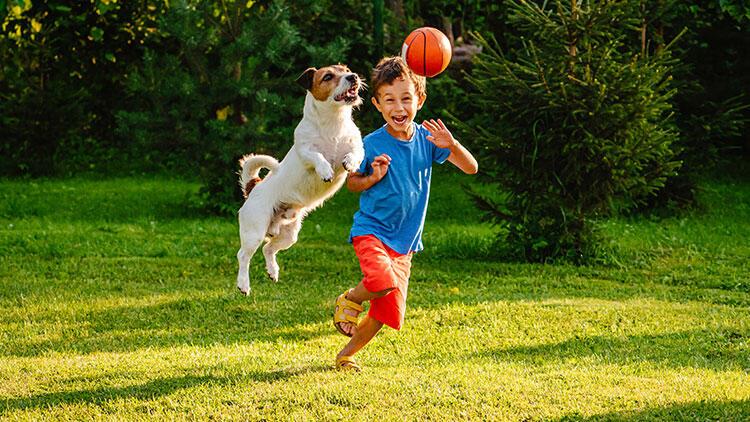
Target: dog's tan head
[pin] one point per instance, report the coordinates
(336, 84)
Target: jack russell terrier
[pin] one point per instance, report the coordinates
(327, 145)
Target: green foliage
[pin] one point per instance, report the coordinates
(220, 84)
(711, 104)
(454, 17)
(149, 85)
(62, 68)
(572, 125)
(737, 9)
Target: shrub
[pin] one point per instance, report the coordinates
(710, 110)
(62, 65)
(220, 84)
(569, 126)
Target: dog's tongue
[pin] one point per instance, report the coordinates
(351, 92)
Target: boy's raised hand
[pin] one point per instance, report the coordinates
(380, 166)
(441, 136)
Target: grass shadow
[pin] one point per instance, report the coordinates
(714, 349)
(200, 312)
(147, 391)
(738, 410)
(224, 320)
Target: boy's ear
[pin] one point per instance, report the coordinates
(421, 101)
(375, 102)
(306, 78)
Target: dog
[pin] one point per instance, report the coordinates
(327, 146)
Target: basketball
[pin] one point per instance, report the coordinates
(427, 51)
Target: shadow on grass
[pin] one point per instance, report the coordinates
(187, 321)
(148, 391)
(153, 304)
(713, 349)
(516, 281)
(693, 411)
(299, 310)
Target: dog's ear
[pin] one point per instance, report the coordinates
(306, 78)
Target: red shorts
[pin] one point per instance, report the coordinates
(384, 268)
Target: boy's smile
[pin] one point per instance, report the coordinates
(398, 102)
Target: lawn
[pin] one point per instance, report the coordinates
(117, 301)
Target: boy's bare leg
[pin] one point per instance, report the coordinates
(360, 294)
(367, 329)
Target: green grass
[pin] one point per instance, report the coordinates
(118, 302)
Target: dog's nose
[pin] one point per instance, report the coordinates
(352, 78)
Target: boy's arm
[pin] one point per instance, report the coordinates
(462, 158)
(442, 138)
(358, 182)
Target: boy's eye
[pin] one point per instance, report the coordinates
(327, 77)
(389, 100)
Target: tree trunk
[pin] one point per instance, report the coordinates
(448, 29)
(644, 26)
(572, 38)
(378, 24)
(397, 7)
(239, 117)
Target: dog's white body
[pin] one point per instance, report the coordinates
(327, 145)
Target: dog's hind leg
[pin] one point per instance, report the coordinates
(253, 225)
(243, 276)
(286, 238)
(281, 217)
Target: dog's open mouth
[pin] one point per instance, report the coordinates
(350, 95)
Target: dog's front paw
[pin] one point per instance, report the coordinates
(350, 163)
(325, 171)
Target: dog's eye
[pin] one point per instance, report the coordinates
(327, 77)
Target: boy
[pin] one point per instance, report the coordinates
(394, 179)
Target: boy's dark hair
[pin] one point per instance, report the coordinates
(389, 69)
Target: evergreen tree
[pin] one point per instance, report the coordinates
(572, 124)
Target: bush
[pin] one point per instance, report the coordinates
(62, 65)
(569, 126)
(220, 84)
(710, 109)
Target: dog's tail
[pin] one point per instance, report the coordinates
(251, 165)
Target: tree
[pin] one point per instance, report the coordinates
(63, 67)
(220, 83)
(571, 124)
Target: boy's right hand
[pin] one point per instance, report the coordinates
(358, 182)
(380, 166)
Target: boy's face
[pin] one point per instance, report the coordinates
(398, 103)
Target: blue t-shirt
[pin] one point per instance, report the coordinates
(394, 209)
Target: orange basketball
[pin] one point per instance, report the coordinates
(427, 51)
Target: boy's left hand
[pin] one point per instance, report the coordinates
(441, 136)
